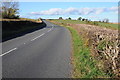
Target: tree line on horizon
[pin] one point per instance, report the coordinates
(87, 20)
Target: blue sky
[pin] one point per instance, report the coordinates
(89, 10)
(68, 0)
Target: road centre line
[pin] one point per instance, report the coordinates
(37, 37)
(24, 43)
(8, 52)
(41, 35)
(49, 30)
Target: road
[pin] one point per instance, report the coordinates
(44, 53)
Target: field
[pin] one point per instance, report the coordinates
(109, 25)
(100, 24)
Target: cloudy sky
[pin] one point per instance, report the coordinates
(54, 10)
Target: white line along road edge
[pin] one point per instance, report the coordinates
(8, 52)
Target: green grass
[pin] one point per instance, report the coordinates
(84, 64)
(107, 25)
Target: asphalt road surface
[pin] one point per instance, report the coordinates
(44, 53)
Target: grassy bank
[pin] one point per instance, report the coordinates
(84, 64)
(17, 27)
(100, 24)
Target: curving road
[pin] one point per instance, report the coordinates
(43, 53)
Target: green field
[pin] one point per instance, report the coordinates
(107, 25)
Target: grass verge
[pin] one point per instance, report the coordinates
(84, 65)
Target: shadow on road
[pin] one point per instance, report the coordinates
(40, 26)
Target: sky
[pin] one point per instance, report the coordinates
(53, 10)
(68, 0)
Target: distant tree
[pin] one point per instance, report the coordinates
(60, 18)
(86, 19)
(69, 18)
(83, 19)
(80, 18)
(10, 9)
(106, 20)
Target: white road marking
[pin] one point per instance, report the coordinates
(37, 37)
(8, 52)
(43, 28)
(25, 43)
(50, 29)
(41, 34)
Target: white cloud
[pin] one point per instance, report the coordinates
(70, 11)
(75, 11)
(93, 16)
(53, 11)
(100, 10)
(114, 8)
(85, 11)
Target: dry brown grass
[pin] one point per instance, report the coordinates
(22, 19)
(104, 44)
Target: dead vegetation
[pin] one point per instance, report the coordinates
(105, 46)
(104, 43)
(23, 19)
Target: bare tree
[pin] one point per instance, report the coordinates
(9, 9)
